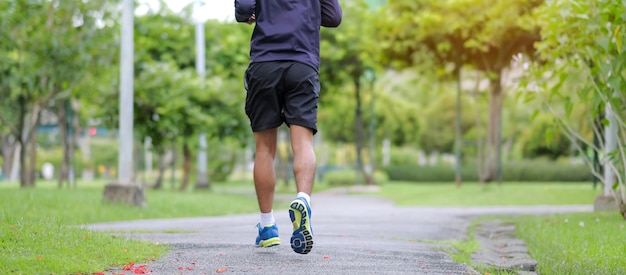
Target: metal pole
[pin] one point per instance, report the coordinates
(201, 69)
(125, 163)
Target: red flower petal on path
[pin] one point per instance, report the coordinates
(326, 257)
(129, 266)
(220, 270)
(193, 262)
(142, 270)
(180, 267)
(189, 268)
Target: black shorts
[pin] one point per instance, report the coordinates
(281, 92)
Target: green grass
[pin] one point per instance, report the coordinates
(45, 246)
(473, 194)
(587, 243)
(40, 229)
(38, 232)
(580, 243)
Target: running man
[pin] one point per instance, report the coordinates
(282, 84)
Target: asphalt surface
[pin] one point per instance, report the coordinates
(352, 235)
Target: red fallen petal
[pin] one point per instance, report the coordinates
(129, 266)
(326, 257)
(220, 270)
(142, 270)
(189, 268)
(193, 262)
(180, 268)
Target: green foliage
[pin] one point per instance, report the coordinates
(401, 124)
(437, 173)
(544, 139)
(581, 74)
(521, 171)
(438, 120)
(403, 156)
(222, 157)
(345, 52)
(348, 177)
(482, 33)
(166, 37)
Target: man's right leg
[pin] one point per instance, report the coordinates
(301, 98)
(304, 166)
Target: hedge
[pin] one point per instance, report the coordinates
(523, 171)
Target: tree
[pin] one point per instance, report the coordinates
(173, 105)
(483, 34)
(581, 77)
(47, 52)
(346, 56)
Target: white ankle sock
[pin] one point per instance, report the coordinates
(267, 219)
(305, 196)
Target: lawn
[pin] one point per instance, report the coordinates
(580, 243)
(587, 243)
(40, 229)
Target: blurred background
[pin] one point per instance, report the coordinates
(412, 90)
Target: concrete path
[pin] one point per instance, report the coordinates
(352, 234)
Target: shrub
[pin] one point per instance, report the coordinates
(346, 177)
(512, 171)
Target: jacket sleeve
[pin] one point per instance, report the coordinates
(331, 13)
(244, 9)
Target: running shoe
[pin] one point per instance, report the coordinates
(302, 238)
(268, 236)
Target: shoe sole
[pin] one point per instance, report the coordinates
(302, 239)
(269, 242)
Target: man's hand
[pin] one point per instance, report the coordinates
(252, 19)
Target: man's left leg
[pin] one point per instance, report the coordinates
(264, 184)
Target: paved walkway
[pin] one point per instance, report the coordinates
(352, 234)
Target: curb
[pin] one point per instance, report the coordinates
(501, 250)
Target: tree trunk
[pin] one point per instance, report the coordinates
(458, 141)
(479, 131)
(360, 134)
(493, 149)
(63, 134)
(186, 166)
(21, 140)
(26, 130)
(158, 184)
(33, 159)
(72, 145)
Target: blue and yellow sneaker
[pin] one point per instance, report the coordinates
(302, 238)
(268, 236)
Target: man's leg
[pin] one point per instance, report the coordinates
(304, 163)
(264, 184)
(264, 176)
